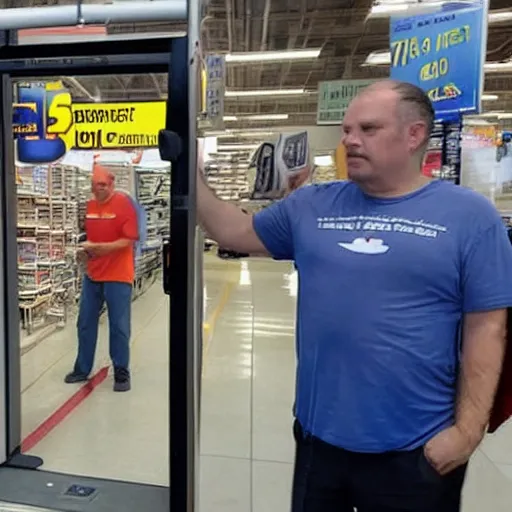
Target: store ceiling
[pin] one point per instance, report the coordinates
(339, 27)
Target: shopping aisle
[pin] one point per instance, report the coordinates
(248, 388)
(246, 449)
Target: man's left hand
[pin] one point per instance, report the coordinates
(91, 248)
(450, 449)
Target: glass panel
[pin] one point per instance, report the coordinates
(84, 427)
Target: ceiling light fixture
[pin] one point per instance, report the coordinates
(387, 8)
(383, 58)
(264, 92)
(323, 161)
(236, 147)
(258, 117)
(498, 67)
(240, 133)
(494, 114)
(273, 56)
(499, 16)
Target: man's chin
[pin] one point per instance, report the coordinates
(359, 174)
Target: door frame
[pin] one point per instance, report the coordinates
(152, 55)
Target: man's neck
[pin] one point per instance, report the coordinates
(107, 199)
(397, 188)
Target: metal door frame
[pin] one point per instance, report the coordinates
(149, 56)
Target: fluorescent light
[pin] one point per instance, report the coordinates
(258, 117)
(476, 122)
(378, 59)
(266, 117)
(273, 56)
(386, 8)
(489, 97)
(498, 67)
(323, 161)
(224, 134)
(496, 113)
(265, 92)
(236, 147)
(499, 17)
(384, 59)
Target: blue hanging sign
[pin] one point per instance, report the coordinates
(42, 122)
(443, 53)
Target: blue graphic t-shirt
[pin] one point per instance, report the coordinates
(383, 287)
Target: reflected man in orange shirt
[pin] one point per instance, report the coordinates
(112, 230)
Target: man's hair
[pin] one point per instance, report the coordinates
(414, 97)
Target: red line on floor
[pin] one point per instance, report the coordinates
(63, 411)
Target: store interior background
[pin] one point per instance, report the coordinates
(249, 361)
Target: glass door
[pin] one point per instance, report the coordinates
(34, 223)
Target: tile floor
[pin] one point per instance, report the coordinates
(248, 379)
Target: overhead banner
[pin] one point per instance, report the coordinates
(334, 98)
(117, 125)
(46, 124)
(443, 53)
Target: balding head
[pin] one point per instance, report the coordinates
(386, 130)
(102, 183)
(412, 102)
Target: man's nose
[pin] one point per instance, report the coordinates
(351, 140)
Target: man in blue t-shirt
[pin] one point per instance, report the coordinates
(403, 288)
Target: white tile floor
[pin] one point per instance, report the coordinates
(249, 366)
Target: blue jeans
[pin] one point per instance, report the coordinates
(118, 297)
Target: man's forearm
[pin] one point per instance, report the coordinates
(484, 339)
(223, 221)
(101, 249)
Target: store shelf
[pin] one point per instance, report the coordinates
(51, 224)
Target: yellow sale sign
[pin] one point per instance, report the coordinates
(117, 125)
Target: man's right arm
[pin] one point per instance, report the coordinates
(227, 224)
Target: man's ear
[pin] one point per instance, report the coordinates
(417, 136)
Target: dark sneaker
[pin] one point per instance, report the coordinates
(121, 380)
(75, 377)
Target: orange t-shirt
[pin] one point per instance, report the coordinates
(108, 222)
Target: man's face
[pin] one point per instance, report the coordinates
(377, 140)
(102, 189)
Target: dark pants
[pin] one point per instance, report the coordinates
(118, 298)
(330, 479)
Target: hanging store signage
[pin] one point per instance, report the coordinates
(334, 98)
(42, 122)
(443, 53)
(46, 124)
(118, 125)
(213, 88)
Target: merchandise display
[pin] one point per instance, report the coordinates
(51, 203)
(443, 157)
(281, 167)
(51, 211)
(324, 174)
(228, 177)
